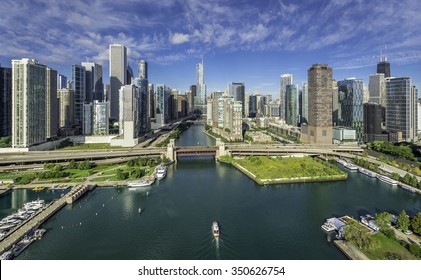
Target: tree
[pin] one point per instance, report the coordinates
(407, 179)
(72, 165)
(362, 240)
(403, 221)
(364, 154)
(121, 175)
(416, 223)
(84, 165)
(383, 220)
(395, 176)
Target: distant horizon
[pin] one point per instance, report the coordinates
(253, 43)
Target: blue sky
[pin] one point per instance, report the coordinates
(243, 40)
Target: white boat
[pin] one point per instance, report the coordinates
(342, 162)
(369, 221)
(215, 229)
(367, 172)
(351, 167)
(387, 180)
(161, 172)
(39, 233)
(140, 210)
(139, 183)
(6, 255)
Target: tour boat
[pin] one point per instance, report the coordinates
(215, 229)
(140, 183)
(161, 172)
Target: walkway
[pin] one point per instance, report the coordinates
(350, 250)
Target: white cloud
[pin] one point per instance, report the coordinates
(179, 38)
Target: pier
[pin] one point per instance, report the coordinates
(34, 222)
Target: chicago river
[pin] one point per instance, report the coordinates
(275, 222)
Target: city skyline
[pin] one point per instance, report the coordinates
(277, 37)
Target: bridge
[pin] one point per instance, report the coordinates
(173, 152)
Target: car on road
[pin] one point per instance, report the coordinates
(408, 232)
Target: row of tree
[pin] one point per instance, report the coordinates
(403, 152)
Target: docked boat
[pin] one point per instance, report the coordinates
(161, 172)
(367, 172)
(351, 167)
(215, 229)
(22, 245)
(39, 233)
(387, 180)
(139, 183)
(6, 255)
(342, 162)
(369, 221)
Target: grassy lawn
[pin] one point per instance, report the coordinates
(388, 245)
(265, 167)
(104, 178)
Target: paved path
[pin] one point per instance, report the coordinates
(351, 251)
(409, 238)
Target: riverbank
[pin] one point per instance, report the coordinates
(267, 170)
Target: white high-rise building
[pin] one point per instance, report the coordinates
(286, 79)
(200, 84)
(377, 89)
(118, 76)
(100, 123)
(142, 69)
(28, 103)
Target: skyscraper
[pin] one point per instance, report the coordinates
(401, 108)
(100, 122)
(79, 88)
(163, 111)
(118, 76)
(66, 104)
(129, 113)
(304, 98)
(61, 81)
(5, 101)
(94, 85)
(377, 89)
(286, 79)
(200, 83)
(144, 120)
(373, 122)
(28, 103)
(142, 69)
(351, 104)
(237, 90)
(291, 105)
(319, 128)
(383, 66)
(52, 108)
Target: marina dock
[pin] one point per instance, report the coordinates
(349, 250)
(34, 222)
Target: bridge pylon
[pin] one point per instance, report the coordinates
(171, 152)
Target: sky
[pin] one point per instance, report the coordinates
(240, 40)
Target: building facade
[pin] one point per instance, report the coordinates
(100, 121)
(28, 103)
(66, 104)
(319, 128)
(350, 97)
(401, 108)
(163, 110)
(5, 101)
(118, 76)
(142, 69)
(237, 90)
(52, 107)
(94, 86)
(200, 84)
(286, 79)
(79, 88)
(291, 105)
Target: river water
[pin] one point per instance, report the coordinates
(275, 222)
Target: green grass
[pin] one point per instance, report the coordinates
(388, 245)
(104, 178)
(265, 167)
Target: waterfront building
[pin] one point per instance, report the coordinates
(79, 88)
(237, 90)
(319, 128)
(129, 113)
(252, 106)
(151, 101)
(304, 98)
(377, 92)
(190, 98)
(163, 111)
(52, 107)
(350, 97)
(87, 119)
(336, 109)
(61, 81)
(118, 76)
(373, 118)
(182, 106)
(344, 135)
(28, 103)
(66, 105)
(144, 120)
(227, 116)
(401, 108)
(5, 101)
(200, 84)
(94, 86)
(142, 69)
(100, 123)
(291, 105)
(286, 79)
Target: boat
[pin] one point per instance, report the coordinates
(369, 221)
(6, 255)
(215, 229)
(22, 245)
(387, 180)
(39, 233)
(367, 172)
(140, 210)
(140, 183)
(342, 162)
(161, 172)
(328, 226)
(351, 167)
